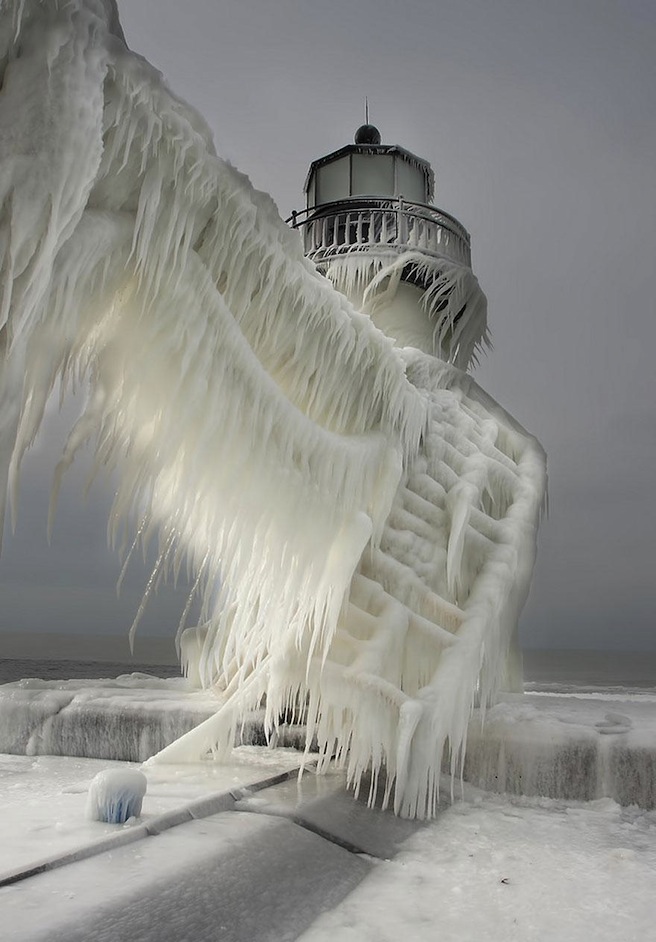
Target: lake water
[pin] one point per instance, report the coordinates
(549, 671)
(590, 671)
(52, 669)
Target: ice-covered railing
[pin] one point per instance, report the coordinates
(260, 427)
(367, 224)
(369, 247)
(430, 627)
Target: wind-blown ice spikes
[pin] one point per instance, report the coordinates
(360, 522)
(454, 322)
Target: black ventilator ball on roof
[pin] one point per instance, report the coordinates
(367, 134)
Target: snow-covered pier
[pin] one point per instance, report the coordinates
(574, 747)
(282, 851)
(246, 850)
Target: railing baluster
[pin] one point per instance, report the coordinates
(376, 222)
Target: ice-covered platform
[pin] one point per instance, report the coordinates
(579, 746)
(128, 718)
(246, 853)
(244, 847)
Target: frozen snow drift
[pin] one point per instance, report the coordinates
(360, 521)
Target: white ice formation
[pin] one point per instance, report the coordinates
(445, 317)
(115, 795)
(359, 521)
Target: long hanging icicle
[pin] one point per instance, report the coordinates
(360, 521)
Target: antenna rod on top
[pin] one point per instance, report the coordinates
(366, 110)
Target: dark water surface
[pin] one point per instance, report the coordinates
(565, 671)
(557, 671)
(51, 669)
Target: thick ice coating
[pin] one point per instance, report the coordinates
(115, 795)
(360, 523)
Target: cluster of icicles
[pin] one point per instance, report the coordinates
(261, 428)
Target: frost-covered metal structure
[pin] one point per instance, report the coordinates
(359, 519)
(370, 227)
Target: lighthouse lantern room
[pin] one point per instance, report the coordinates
(369, 225)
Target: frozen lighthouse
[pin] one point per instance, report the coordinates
(370, 226)
(358, 517)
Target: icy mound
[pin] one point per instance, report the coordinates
(261, 427)
(115, 795)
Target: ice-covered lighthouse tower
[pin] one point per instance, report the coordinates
(370, 226)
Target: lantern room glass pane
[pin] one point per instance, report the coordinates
(372, 175)
(310, 191)
(411, 182)
(333, 181)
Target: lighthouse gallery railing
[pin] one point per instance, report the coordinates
(369, 223)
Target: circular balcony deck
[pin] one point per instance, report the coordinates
(367, 225)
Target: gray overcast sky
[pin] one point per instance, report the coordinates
(540, 121)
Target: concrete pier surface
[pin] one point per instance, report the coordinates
(247, 851)
(260, 858)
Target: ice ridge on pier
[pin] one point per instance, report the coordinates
(359, 521)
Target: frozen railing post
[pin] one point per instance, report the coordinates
(116, 795)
